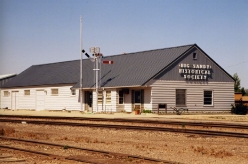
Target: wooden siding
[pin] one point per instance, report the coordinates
(127, 106)
(216, 73)
(106, 107)
(164, 92)
(64, 100)
(147, 99)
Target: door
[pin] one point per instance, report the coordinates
(88, 101)
(40, 100)
(14, 100)
(138, 99)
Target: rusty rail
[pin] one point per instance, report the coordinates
(79, 148)
(129, 127)
(162, 122)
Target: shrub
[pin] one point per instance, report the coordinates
(146, 111)
(239, 108)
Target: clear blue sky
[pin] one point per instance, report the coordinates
(45, 31)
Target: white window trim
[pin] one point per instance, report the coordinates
(106, 98)
(212, 98)
(99, 98)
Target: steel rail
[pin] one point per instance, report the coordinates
(164, 122)
(79, 148)
(131, 127)
(46, 154)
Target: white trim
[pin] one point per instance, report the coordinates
(212, 96)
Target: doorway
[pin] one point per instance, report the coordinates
(40, 100)
(88, 101)
(14, 100)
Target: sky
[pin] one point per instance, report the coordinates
(46, 31)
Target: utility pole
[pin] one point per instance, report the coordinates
(97, 56)
(81, 66)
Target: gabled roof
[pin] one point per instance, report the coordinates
(131, 69)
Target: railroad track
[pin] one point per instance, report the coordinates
(157, 122)
(129, 127)
(106, 156)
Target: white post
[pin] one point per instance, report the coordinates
(96, 84)
(81, 66)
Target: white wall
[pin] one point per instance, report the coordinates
(147, 99)
(105, 107)
(64, 100)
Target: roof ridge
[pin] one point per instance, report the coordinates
(152, 50)
(119, 54)
(56, 62)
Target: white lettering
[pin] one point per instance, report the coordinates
(194, 71)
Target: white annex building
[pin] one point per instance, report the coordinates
(183, 76)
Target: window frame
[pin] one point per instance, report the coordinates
(100, 99)
(26, 92)
(194, 56)
(212, 98)
(54, 94)
(73, 92)
(121, 97)
(180, 94)
(5, 93)
(108, 98)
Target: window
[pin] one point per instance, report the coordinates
(108, 97)
(26, 92)
(121, 97)
(73, 92)
(208, 97)
(194, 56)
(180, 97)
(55, 92)
(99, 97)
(5, 93)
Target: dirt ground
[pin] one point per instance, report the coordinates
(181, 148)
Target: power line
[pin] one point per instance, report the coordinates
(237, 64)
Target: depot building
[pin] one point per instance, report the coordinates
(183, 76)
